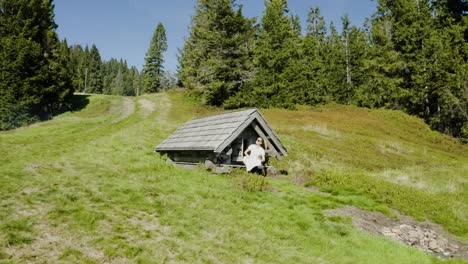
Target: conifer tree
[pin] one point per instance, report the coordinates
(442, 81)
(216, 55)
(118, 83)
(154, 59)
(133, 85)
(136, 81)
(76, 52)
(418, 60)
(94, 72)
(32, 83)
(347, 57)
(335, 66)
(313, 58)
(382, 86)
(276, 48)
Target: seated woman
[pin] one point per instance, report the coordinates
(254, 157)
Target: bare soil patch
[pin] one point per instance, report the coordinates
(425, 236)
(127, 108)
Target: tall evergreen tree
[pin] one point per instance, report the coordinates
(445, 56)
(313, 58)
(118, 83)
(335, 66)
(32, 83)
(76, 52)
(276, 48)
(94, 82)
(346, 43)
(425, 58)
(136, 81)
(383, 83)
(132, 86)
(153, 67)
(216, 55)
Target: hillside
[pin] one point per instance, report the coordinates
(87, 187)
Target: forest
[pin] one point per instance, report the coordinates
(409, 56)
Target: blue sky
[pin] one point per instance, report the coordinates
(123, 28)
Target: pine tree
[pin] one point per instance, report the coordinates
(76, 53)
(313, 58)
(419, 62)
(383, 86)
(444, 76)
(136, 81)
(153, 67)
(118, 83)
(94, 72)
(296, 89)
(83, 69)
(58, 94)
(335, 66)
(346, 39)
(276, 48)
(216, 55)
(32, 83)
(132, 86)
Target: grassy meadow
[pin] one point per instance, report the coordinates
(87, 187)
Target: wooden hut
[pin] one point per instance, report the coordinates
(221, 139)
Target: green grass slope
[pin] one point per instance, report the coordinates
(87, 187)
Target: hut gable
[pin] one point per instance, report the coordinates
(216, 134)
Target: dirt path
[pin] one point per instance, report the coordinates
(425, 236)
(128, 108)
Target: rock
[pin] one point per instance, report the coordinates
(454, 247)
(396, 230)
(433, 245)
(209, 165)
(413, 234)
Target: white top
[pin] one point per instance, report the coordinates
(255, 158)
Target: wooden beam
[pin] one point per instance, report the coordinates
(264, 124)
(259, 131)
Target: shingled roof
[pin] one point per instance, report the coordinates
(217, 132)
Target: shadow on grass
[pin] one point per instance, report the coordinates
(20, 116)
(79, 102)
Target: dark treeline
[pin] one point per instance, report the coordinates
(410, 56)
(90, 74)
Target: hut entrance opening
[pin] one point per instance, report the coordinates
(241, 143)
